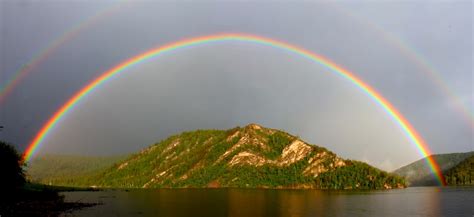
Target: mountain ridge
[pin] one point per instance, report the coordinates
(248, 157)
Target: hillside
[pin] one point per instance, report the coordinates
(251, 157)
(53, 168)
(461, 174)
(418, 173)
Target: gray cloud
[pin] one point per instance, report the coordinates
(227, 84)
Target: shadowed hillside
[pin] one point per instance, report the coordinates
(48, 169)
(419, 173)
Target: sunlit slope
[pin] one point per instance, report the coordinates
(252, 156)
(418, 173)
(50, 169)
(461, 174)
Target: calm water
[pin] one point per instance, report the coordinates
(422, 201)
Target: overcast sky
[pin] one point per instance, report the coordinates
(226, 84)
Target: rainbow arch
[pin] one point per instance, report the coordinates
(407, 128)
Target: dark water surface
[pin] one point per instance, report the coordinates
(420, 201)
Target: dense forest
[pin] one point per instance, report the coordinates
(461, 174)
(249, 157)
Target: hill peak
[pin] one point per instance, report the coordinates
(254, 126)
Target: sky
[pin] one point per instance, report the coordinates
(394, 46)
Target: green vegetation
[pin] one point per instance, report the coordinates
(277, 142)
(248, 176)
(419, 173)
(461, 174)
(358, 175)
(248, 157)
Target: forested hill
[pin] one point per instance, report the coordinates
(51, 167)
(419, 173)
(461, 174)
(249, 157)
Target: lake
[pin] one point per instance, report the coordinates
(415, 201)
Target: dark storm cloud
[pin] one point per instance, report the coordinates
(205, 88)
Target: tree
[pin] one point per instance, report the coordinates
(11, 168)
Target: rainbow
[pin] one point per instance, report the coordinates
(398, 118)
(44, 54)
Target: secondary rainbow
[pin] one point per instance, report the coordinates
(416, 57)
(7, 88)
(407, 128)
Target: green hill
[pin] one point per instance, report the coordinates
(461, 174)
(50, 168)
(419, 173)
(249, 157)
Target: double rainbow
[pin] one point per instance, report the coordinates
(410, 132)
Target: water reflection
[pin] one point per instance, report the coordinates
(428, 201)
